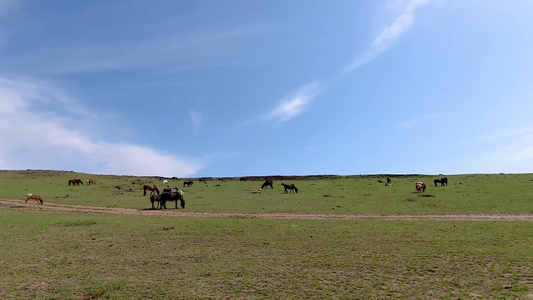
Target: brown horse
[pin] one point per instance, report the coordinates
(89, 181)
(34, 197)
(420, 187)
(152, 188)
(75, 182)
(289, 188)
(155, 198)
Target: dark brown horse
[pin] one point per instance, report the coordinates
(187, 183)
(268, 183)
(152, 188)
(75, 182)
(155, 198)
(289, 188)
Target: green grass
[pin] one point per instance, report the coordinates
(466, 194)
(91, 256)
(95, 256)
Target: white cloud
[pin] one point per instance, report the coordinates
(294, 104)
(389, 34)
(41, 138)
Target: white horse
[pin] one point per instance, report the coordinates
(165, 182)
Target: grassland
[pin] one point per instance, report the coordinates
(46, 255)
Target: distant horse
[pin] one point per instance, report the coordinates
(202, 180)
(75, 182)
(420, 187)
(172, 194)
(155, 198)
(289, 188)
(152, 188)
(242, 179)
(89, 181)
(268, 183)
(187, 183)
(34, 197)
(442, 181)
(165, 182)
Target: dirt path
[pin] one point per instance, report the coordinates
(53, 207)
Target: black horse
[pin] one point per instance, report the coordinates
(172, 194)
(290, 188)
(442, 181)
(268, 183)
(187, 183)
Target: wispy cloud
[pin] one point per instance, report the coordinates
(294, 104)
(51, 138)
(184, 50)
(389, 34)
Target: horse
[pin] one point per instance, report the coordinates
(152, 188)
(268, 183)
(289, 188)
(442, 181)
(34, 197)
(242, 179)
(75, 182)
(188, 183)
(89, 181)
(172, 194)
(420, 187)
(202, 180)
(156, 198)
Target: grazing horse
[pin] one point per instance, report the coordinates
(188, 183)
(156, 198)
(242, 179)
(202, 180)
(165, 182)
(289, 188)
(34, 197)
(172, 194)
(268, 183)
(152, 188)
(420, 187)
(75, 182)
(442, 181)
(89, 181)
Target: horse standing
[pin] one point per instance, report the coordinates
(75, 182)
(188, 183)
(268, 183)
(152, 188)
(89, 181)
(289, 188)
(442, 181)
(172, 194)
(34, 197)
(156, 198)
(420, 187)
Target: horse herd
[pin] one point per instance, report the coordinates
(175, 194)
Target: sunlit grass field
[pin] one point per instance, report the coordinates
(45, 255)
(465, 194)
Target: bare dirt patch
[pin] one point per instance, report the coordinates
(54, 207)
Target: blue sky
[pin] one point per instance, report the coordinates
(236, 88)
